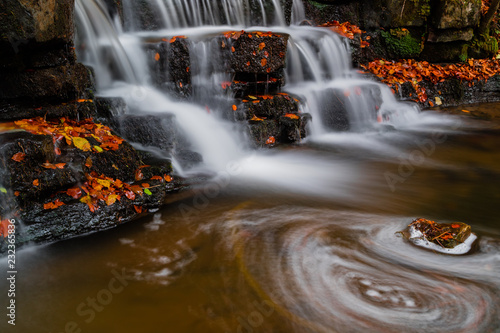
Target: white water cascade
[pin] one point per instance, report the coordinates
(318, 69)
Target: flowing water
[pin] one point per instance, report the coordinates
(298, 239)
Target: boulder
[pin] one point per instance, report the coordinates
(452, 14)
(255, 52)
(449, 238)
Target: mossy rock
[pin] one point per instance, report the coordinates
(402, 43)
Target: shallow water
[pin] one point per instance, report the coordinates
(293, 240)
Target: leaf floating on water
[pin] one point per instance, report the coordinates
(18, 157)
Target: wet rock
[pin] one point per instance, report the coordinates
(339, 109)
(272, 119)
(55, 84)
(109, 109)
(449, 238)
(72, 110)
(169, 59)
(255, 52)
(247, 84)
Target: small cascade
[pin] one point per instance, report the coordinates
(226, 87)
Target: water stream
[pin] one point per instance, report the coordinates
(298, 239)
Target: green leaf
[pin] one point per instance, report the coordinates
(147, 191)
(99, 149)
(3, 190)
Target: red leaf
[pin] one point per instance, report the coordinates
(18, 157)
(138, 209)
(271, 140)
(74, 192)
(130, 195)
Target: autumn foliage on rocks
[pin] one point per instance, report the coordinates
(348, 30)
(395, 73)
(73, 132)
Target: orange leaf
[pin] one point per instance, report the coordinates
(233, 49)
(167, 178)
(18, 157)
(130, 195)
(111, 199)
(292, 116)
(36, 182)
(235, 107)
(138, 175)
(157, 178)
(145, 185)
(138, 209)
(60, 165)
(263, 62)
(455, 226)
(17, 193)
(261, 46)
(270, 141)
(255, 118)
(157, 56)
(4, 227)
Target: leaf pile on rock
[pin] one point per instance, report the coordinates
(395, 73)
(76, 133)
(348, 30)
(447, 236)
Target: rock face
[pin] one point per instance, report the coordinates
(408, 29)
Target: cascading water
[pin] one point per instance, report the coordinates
(318, 68)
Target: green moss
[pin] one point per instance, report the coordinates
(401, 43)
(425, 7)
(318, 5)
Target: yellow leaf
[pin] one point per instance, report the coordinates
(111, 199)
(438, 100)
(99, 149)
(104, 182)
(252, 97)
(81, 143)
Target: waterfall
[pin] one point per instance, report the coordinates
(318, 69)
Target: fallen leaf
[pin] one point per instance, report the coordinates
(263, 62)
(36, 182)
(270, 141)
(167, 178)
(147, 191)
(111, 199)
(74, 192)
(157, 57)
(18, 157)
(292, 116)
(138, 209)
(235, 107)
(157, 178)
(81, 143)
